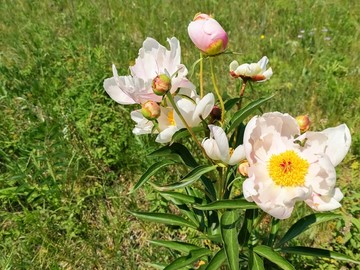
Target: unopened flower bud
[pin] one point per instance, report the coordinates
(215, 114)
(207, 34)
(303, 122)
(243, 168)
(161, 84)
(150, 110)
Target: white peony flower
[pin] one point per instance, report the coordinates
(254, 71)
(217, 147)
(153, 60)
(285, 168)
(191, 107)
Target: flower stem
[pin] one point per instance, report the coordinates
(217, 91)
(242, 91)
(172, 102)
(201, 77)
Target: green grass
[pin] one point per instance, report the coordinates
(68, 157)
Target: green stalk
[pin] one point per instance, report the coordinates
(217, 91)
(172, 102)
(201, 77)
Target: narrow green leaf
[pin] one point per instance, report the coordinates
(179, 246)
(159, 266)
(257, 262)
(193, 256)
(273, 256)
(240, 115)
(217, 260)
(190, 178)
(227, 204)
(304, 223)
(164, 218)
(229, 236)
(185, 155)
(317, 252)
(180, 198)
(184, 133)
(150, 172)
(178, 149)
(231, 103)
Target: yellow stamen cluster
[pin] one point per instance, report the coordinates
(171, 119)
(288, 169)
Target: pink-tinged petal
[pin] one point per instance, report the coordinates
(166, 135)
(221, 140)
(277, 211)
(249, 189)
(211, 148)
(325, 203)
(338, 143)
(237, 155)
(203, 108)
(321, 176)
(116, 93)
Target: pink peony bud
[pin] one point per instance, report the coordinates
(161, 84)
(303, 122)
(150, 110)
(207, 34)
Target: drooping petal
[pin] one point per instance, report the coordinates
(116, 93)
(338, 143)
(325, 203)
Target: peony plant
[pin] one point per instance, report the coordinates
(242, 177)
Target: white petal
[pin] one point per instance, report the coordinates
(325, 203)
(249, 189)
(233, 65)
(221, 140)
(211, 148)
(243, 70)
(237, 155)
(116, 93)
(263, 62)
(166, 135)
(203, 108)
(338, 143)
(321, 176)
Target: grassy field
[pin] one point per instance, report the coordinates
(67, 153)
